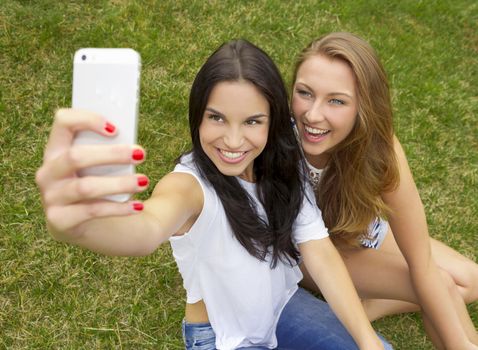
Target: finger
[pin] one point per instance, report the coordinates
(80, 157)
(68, 122)
(66, 218)
(94, 187)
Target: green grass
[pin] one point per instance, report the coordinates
(62, 297)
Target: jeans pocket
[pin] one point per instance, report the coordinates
(199, 336)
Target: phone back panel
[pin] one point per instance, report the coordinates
(106, 81)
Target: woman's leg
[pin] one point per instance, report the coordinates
(371, 271)
(374, 308)
(378, 308)
(459, 273)
(308, 323)
(464, 271)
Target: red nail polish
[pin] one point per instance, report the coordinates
(142, 181)
(138, 206)
(138, 154)
(110, 128)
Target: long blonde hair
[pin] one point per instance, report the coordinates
(364, 164)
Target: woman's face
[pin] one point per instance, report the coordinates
(325, 105)
(235, 127)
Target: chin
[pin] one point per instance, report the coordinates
(229, 172)
(313, 149)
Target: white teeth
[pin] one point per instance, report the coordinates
(315, 131)
(232, 155)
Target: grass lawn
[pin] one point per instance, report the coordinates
(62, 297)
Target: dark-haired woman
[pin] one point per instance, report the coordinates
(235, 210)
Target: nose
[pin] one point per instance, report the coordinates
(233, 138)
(315, 113)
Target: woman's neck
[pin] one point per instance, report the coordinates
(317, 161)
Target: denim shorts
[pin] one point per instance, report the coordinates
(201, 336)
(198, 336)
(305, 323)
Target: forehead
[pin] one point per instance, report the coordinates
(323, 71)
(238, 98)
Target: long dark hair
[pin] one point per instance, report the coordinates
(276, 169)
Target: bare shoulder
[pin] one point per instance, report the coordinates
(183, 188)
(406, 190)
(177, 182)
(399, 152)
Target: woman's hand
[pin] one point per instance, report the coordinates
(68, 200)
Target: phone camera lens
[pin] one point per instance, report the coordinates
(83, 57)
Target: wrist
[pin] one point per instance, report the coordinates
(461, 344)
(370, 341)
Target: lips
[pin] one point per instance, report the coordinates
(231, 157)
(315, 134)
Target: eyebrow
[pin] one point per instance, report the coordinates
(254, 116)
(330, 93)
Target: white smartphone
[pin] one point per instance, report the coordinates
(106, 81)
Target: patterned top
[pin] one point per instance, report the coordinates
(378, 228)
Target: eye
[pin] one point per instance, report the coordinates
(253, 122)
(336, 101)
(215, 117)
(303, 92)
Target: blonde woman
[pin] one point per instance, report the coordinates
(369, 201)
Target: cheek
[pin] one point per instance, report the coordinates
(204, 135)
(201, 132)
(260, 136)
(352, 124)
(346, 122)
(297, 105)
(351, 120)
(300, 106)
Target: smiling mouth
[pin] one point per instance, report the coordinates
(232, 157)
(315, 131)
(314, 134)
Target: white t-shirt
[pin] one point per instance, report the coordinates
(243, 295)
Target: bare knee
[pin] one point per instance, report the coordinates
(466, 281)
(463, 270)
(469, 283)
(451, 285)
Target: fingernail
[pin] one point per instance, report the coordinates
(110, 128)
(142, 181)
(138, 206)
(138, 154)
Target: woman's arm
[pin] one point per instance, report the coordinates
(74, 208)
(328, 271)
(408, 223)
(176, 201)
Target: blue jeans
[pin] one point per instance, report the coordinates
(306, 323)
